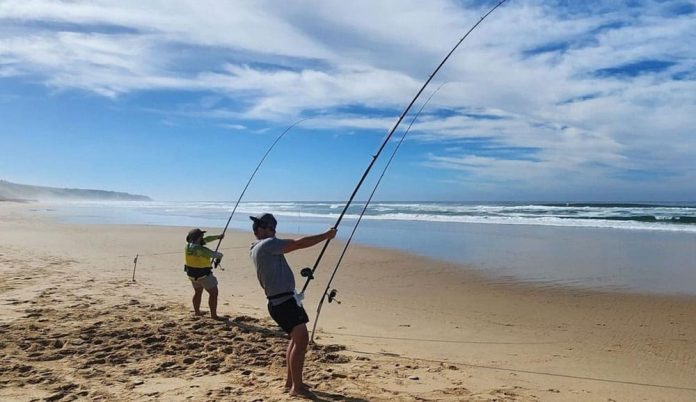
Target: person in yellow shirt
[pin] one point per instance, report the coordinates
(198, 267)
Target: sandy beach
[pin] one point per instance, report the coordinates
(76, 327)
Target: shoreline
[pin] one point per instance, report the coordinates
(398, 311)
(466, 270)
(633, 261)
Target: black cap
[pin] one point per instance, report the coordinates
(265, 220)
(194, 234)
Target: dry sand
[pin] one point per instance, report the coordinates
(75, 327)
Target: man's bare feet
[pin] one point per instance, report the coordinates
(198, 313)
(218, 318)
(302, 393)
(304, 387)
(287, 387)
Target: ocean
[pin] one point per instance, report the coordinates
(628, 247)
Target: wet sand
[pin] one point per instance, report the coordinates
(75, 326)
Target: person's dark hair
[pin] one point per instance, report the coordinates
(194, 235)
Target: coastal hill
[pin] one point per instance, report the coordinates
(23, 192)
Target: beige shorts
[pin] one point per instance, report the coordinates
(205, 282)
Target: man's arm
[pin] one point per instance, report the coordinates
(308, 241)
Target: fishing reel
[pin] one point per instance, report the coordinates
(332, 296)
(307, 273)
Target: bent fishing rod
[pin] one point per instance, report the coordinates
(217, 262)
(309, 273)
(331, 295)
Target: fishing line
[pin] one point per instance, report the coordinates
(217, 262)
(332, 294)
(309, 273)
(138, 256)
(173, 252)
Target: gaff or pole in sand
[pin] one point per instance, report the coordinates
(135, 264)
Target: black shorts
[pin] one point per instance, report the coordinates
(288, 314)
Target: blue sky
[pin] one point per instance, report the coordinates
(178, 100)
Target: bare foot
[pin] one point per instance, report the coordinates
(218, 318)
(288, 385)
(198, 313)
(302, 393)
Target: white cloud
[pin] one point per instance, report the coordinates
(241, 25)
(277, 61)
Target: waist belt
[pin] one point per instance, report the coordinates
(196, 273)
(279, 295)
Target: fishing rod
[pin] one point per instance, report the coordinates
(331, 295)
(217, 261)
(309, 273)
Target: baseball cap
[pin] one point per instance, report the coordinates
(265, 220)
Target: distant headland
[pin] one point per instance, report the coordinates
(24, 192)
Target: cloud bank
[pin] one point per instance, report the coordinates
(543, 94)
